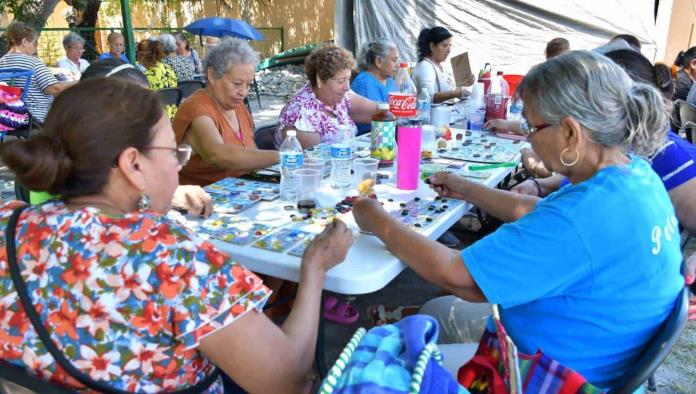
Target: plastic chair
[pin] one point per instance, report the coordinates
(170, 96)
(188, 87)
(512, 80)
(264, 136)
(9, 75)
(658, 348)
(687, 118)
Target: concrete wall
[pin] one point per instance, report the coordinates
(682, 29)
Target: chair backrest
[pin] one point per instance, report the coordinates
(264, 137)
(12, 376)
(657, 349)
(187, 87)
(170, 96)
(10, 74)
(687, 117)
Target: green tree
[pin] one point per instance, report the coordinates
(33, 12)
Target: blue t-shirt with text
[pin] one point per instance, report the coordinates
(589, 274)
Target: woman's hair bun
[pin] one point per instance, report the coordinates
(40, 163)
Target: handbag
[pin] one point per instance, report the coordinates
(393, 358)
(45, 337)
(498, 368)
(13, 112)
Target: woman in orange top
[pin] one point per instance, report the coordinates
(215, 122)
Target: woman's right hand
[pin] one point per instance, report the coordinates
(330, 247)
(502, 125)
(447, 184)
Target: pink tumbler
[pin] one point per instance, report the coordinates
(408, 156)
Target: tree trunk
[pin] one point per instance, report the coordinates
(33, 12)
(90, 15)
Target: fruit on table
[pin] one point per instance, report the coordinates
(384, 153)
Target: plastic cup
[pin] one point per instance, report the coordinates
(315, 163)
(476, 120)
(364, 168)
(428, 137)
(308, 181)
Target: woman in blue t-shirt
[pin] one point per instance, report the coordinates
(378, 63)
(569, 273)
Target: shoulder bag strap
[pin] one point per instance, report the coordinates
(45, 337)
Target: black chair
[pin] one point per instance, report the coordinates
(170, 96)
(264, 137)
(188, 87)
(687, 118)
(643, 368)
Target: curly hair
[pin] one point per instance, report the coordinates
(150, 52)
(326, 61)
(17, 31)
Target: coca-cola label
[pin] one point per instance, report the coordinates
(402, 105)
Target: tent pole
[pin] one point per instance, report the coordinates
(128, 30)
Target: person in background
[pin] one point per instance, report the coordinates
(434, 46)
(44, 86)
(326, 101)
(571, 289)
(180, 64)
(143, 302)
(630, 39)
(160, 75)
(686, 73)
(377, 63)
(116, 47)
(215, 121)
(556, 47)
(184, 49)
(73, 62)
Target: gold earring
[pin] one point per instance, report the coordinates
(577, 157)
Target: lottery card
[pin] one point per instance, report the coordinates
(234, 232)
(281, 240)
(240, 187)
(301, 247)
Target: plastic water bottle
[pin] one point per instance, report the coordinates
(423, 105)
(291, 158)
(341, 157)
(515, 111)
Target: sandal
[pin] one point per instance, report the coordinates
(340, 312)
(380, 314)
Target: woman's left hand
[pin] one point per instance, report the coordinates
(469, 80)
(193, 199)
(365, 210)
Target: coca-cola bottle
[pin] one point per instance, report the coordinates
(402, 102)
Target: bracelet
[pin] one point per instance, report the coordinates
(538, 185)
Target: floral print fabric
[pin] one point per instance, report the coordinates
(162, 76)
(305, 112)
(127, 299)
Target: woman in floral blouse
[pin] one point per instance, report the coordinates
(326, 101)
(182, 66)
(160, 75)
(133, 299)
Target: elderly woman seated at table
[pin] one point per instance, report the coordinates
(143, 303)
(378, 63)
(23, 43)
(73, 62)
(569, 274)
(326, 101)
(215, 121)
(182, 66)
(116, 47)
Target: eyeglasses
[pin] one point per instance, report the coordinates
(529, 130)
(79, 49)
(182, 152)
(340, 81)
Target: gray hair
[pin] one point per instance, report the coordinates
(230, 52)
(70, 39)
(168, 42)
(614, 110)
(374, 49)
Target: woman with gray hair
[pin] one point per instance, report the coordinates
(215, 121)
(181, 65)
(570, 273)
(378, 63)
(72, 62)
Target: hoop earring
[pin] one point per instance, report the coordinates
(577, 157)
(144, 202)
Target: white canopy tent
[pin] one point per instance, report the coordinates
(509, 34)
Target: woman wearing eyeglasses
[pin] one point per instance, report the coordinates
(73, 62)
(132, 299)
(326, 101)
(589, 273)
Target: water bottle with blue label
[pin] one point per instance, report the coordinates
(425, 99)
(341, 158)
(291, 159)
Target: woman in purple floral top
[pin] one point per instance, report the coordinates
(132, 298)
(326, 101)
